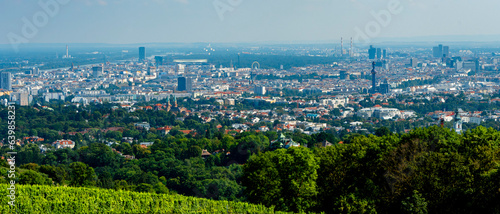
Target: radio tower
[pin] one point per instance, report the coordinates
(351, 50)
(341, 46)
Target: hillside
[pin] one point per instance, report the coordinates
(63, 200)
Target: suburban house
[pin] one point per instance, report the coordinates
(283, 143)
(60, 144)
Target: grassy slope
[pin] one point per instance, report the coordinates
(65, 200)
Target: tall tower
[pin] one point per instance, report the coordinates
(351, 50)
(341, 46)
(67, 52)
(6, 81)
(458, 123)
(142, 54)
(239, 65)
(374, 73)
(169, 105)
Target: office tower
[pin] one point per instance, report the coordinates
(477, 64)
(151, 71)
(259, 90)
(372, 52)
(344, 75)
(239, 65)
(437, 51)
(446, 51)
(158, 60)
(6, 81)
(24, 99)
(384, 53)
(97, 71)
(142, 54)
(374, 80)
(459, 64)
(385, 88)
(379, 53)
(184, 84)
(413, 62)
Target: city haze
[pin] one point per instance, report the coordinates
(188, 21)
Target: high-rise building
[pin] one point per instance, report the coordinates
(374, 79)
(184, 84)
(97, 71)
(379, 53)
(142, 54)
(437, 51)
(446, 51)
(24, 99)
(35, 71)
(372, 52)
(385, 88)
(413, 63)
(259, 90)
(6, 81)
(158, 60)
(384, 53)
(344, 75)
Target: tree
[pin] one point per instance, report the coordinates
(160, 188)
(82, 175)
(192, 152)
(382, 131)
(31, 177)
(145, 188)
(282, 178)
(414, 204)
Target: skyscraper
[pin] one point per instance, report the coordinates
(374, 80)
(379, 53)
(158, 60)
(97, 71)
(384, 53)
(184, 84)
(259, 90)
(372, 52)
(6, 81)
(142, 54)
(446, 51)
(437, 51)
(413, 63)
(385, 88)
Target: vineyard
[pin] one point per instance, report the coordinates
(63, 200)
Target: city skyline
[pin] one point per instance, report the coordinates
(186, 21)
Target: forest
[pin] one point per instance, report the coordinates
(428, 170)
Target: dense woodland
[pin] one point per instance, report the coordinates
(431, 170)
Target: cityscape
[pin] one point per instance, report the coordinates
(249, 107)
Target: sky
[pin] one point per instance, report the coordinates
(234, 21)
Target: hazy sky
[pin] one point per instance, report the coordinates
(144, 21)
